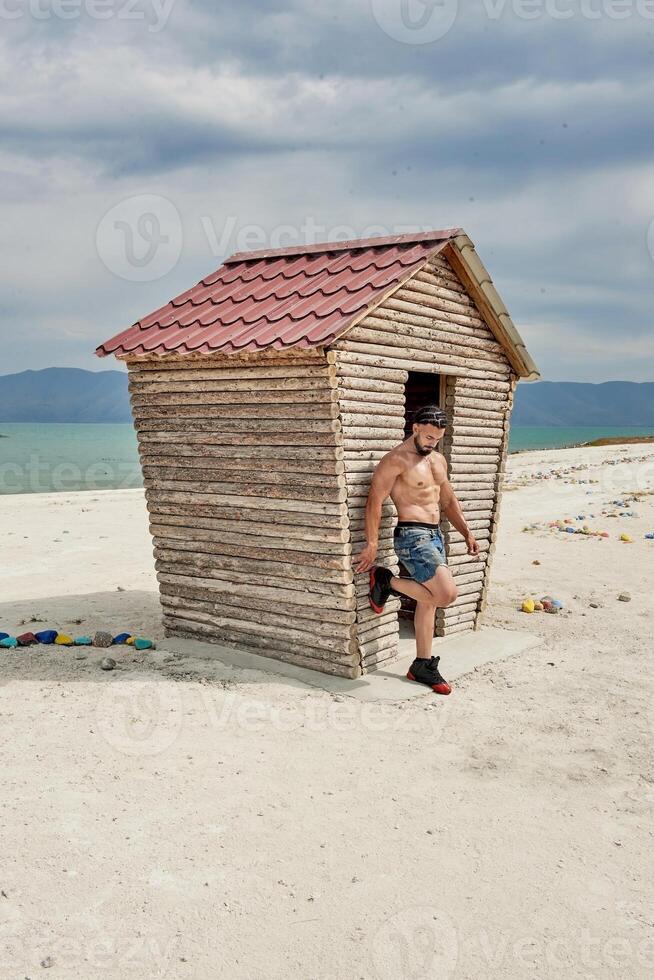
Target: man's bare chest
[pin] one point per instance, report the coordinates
(422, 477)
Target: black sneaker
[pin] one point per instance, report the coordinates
(380, 587)
(427, 672)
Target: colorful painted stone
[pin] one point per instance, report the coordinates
(63, 640)
(121, 638)
(25, 639)
(528, 605)
(46, 636)
(9, 642)
(141, 644)
(83, 641)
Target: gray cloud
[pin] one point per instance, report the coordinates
(535, 136)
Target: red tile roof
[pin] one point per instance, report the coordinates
(295, 297)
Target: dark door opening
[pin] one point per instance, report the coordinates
(421, 388)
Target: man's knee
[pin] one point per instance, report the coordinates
(451, 592)
(443, 594)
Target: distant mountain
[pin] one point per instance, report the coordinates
(580, 403)
(64, 395)
(74, 395)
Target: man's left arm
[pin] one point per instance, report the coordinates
(451, 509)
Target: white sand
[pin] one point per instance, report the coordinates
(187, 819)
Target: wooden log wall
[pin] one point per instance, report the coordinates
(431, 324)
(494, 522)
(476, 473)
(244, 467)
(371, 401)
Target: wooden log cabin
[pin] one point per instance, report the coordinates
(263, 398)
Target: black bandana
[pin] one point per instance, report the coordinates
(431, 415)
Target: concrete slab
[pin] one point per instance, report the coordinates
(461, 654)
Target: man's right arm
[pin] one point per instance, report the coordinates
(385, 475)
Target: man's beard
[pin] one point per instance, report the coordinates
(422, 450)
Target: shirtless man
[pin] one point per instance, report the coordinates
(414, 475)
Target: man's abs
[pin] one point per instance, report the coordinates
(417, 489)
(417, 506)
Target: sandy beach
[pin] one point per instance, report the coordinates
(180, 817)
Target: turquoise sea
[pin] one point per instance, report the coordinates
(38, 458)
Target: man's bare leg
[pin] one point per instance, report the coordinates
(423, 624)
(438, 591)
(413, 589)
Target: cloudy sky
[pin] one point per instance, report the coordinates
(141, 142)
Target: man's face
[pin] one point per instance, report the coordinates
(426, 438)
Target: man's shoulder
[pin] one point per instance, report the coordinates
(439, 461)
(395, 459)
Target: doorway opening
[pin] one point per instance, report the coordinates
(422, 388)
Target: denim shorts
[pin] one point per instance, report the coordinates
(421, 549)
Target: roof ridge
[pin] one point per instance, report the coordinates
(354, 243)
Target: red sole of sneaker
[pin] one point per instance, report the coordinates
(438, 688)
(375, 608)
